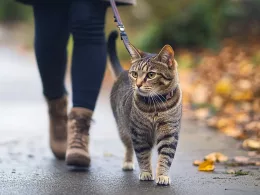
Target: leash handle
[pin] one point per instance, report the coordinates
(120, 26)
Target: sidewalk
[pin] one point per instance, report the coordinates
(28, 167)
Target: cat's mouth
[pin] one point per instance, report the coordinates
(142, 92)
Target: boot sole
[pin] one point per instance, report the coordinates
(77, 160)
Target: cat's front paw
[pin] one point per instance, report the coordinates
(146, 176)
(128, 166)
(163, 180)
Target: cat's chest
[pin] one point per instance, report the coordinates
(149, 120)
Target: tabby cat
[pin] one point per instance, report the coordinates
(147, 106)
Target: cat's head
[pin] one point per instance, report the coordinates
(152, 74)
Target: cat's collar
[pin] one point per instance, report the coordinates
(160, 98)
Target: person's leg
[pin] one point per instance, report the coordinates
(89, 54)
(87, 20)
(51, 36)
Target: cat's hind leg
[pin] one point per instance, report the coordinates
(128, 164)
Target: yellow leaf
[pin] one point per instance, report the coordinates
(242, 95)
(245, 68)
(224, 122)
(211, 157)
(207, 165)
(231, 131)
(221, 157)
(197, 162)
(224, 87)
(242, 117)
(251, 144)
(216, 157)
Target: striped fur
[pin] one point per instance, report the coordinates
(143, 124)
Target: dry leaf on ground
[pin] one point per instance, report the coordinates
(251, 144)
(252, 153)
(216, 157)
(197, 162)
(230, 171)
(241, 159)
(228, 84)
(207, 165)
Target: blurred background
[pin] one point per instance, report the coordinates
(216, 44)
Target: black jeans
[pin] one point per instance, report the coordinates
(85, 20)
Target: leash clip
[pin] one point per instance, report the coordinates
(121, 27)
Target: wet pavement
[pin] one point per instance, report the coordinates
(28, 167)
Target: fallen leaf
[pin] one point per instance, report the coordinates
(242, 117)
(217, 101)
(221, 158)
(230, 171)
(242, 95)
(252, 126)
(197, 162)
(244, 84)
(211, 157)
(229, 108)
(251, 144)
(252, 153)
(224, 122)
(207, 165)
(231, 131)
(241, 159)
(216, 157)
(224, 87)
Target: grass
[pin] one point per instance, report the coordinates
(241, 173)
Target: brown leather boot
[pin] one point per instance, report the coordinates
(77, 153)
(58, 126)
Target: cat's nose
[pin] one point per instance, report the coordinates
(138, 85)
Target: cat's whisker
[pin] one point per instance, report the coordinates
(149, 100)
(154, 94)
(154, 104)
(158, 103)
(161, 100)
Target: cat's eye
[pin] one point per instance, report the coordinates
(151, 75)
(134, 74)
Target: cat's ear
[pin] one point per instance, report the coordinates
(134, 52)
(166, 56)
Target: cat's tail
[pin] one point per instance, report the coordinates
(112, 53)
